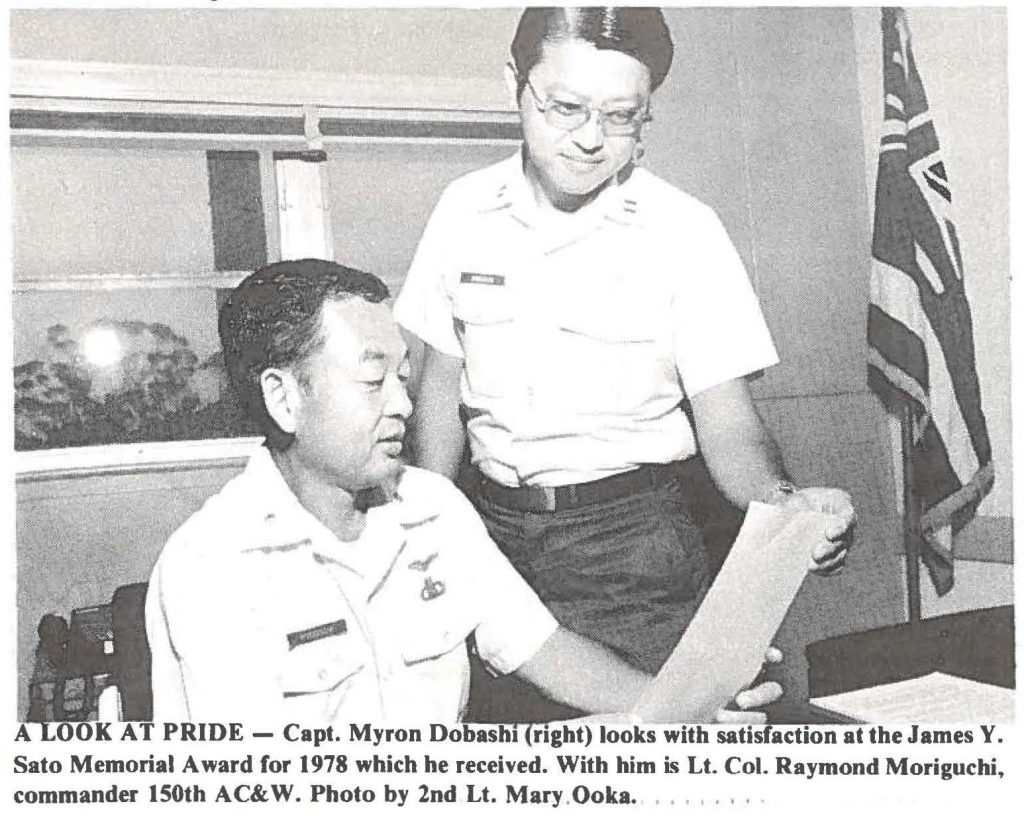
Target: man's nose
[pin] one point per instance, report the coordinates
(589, 136)
(399, 403)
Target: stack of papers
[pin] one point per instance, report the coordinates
(934, 698)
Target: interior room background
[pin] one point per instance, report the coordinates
(771, 116)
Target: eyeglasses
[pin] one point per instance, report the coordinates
(566, 114)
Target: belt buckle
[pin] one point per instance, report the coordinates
(551, 495)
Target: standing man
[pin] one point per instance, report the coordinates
(570, 302)
(328, 582)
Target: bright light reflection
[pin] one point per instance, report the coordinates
(101, 346)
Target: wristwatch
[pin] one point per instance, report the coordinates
(780, 491)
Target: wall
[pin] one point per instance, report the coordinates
(807, 224)
(417, 42)
(761, 118)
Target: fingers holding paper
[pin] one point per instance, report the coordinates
(836, 506)
(748, 702)
(828, 558)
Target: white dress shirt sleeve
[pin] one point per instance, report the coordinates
(720, 332)
(513, 623)
(424, 305)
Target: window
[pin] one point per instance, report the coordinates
(131, 220)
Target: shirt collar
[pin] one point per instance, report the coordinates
(287, 525)
(511, 192)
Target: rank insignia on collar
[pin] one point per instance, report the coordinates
(421, 566)
(431, 589)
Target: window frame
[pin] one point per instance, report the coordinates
(57, 103)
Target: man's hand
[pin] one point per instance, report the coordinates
(840, 519)
(745, 462)
(749, 700)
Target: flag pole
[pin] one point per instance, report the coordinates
(911, 517)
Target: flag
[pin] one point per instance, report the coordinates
(920, 333)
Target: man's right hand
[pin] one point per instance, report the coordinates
(749, 701)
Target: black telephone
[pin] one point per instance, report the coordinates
(73, 665)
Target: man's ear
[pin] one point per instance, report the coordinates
(512, 83)
(282, 397)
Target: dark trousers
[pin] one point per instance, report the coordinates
(628, 573)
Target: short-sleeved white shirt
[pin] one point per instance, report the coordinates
(581, 333)
(256, 612)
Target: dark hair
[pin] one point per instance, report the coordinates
(639, 32)
(272, 320)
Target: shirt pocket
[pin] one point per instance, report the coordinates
(610, 361)
(318, 668)
(484, 321)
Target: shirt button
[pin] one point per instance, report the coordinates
(322, 674)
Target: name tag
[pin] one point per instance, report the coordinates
(479, 277)
(324, 630)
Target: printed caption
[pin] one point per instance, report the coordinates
(551, 765)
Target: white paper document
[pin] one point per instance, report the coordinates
(723, 649)
(934, 698)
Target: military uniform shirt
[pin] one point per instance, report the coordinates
(256, 612)
(581, 333)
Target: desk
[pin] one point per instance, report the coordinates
(978, 645)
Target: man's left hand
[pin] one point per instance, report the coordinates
(840, 518)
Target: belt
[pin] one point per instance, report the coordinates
(567, 497)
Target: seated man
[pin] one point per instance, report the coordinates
(328, 582)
